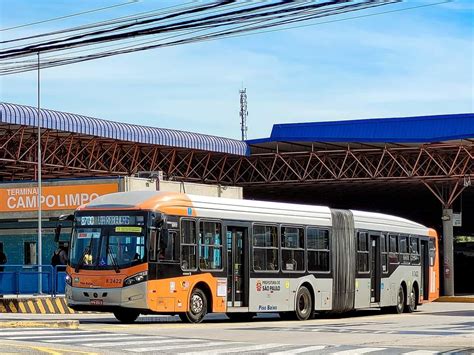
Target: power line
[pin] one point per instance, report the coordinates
(68, 16)
(210, 21)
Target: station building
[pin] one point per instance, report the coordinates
(420, 168)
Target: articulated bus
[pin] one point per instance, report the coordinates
(147, 252)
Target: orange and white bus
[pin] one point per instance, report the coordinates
(147, 252)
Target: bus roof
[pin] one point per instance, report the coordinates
(247, 210)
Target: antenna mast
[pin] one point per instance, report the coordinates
(243, 113)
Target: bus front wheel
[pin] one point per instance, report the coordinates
(197, 307)
(126, 316)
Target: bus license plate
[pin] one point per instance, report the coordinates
(97, 302)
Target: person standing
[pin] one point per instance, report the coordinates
(3, 260)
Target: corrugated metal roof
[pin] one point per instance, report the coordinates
(420, 129)
(68, 122)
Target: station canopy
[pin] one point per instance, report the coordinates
(21, 115)
(408, 131)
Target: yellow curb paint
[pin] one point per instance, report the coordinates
(50, 306)
(60, 306)
(12, 307)
(3, 309)
(31, 306)
(21, 306)
(40, 306)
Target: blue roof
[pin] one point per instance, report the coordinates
(420, 129)
(68, 122)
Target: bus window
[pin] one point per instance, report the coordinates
(167, 246)
(414, 250)
(292, 248)
(392, 249)
(265, 248)
(210, 241)
(152, 245)
(362, 252)
(188, 245)
(318, 249)
(383, 250)
(404, 250)
(432, 248)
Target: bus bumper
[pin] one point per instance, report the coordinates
(107, 299)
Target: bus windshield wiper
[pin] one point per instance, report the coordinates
(114, 261)
(81, 261)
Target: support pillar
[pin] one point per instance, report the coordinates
(448, 253)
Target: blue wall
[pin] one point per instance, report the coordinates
(13, 246)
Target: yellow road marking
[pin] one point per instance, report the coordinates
(3, 309)
(50, 306)
(40, 306)
(60, 306)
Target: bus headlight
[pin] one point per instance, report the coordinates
(68, 280)
(137, 278)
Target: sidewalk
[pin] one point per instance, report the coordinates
(457, 298)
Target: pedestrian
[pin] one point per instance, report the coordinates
(3, 260)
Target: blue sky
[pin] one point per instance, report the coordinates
(405, 63)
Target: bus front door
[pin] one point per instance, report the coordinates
(237, 274)
(375, 266)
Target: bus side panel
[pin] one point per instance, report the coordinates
(362, 293)
(279, 294)
(408, 274)
(172, 295)
(434, 270)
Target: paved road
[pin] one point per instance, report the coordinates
(439, 327)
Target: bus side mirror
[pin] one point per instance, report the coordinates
(57, 233)
(66, 217)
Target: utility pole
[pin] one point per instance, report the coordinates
(40, 239)
(243, 113)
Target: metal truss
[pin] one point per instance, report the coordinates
(445, 168)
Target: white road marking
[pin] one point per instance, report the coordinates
(422, 352)
(45, 332)
(300, 350)
(178, 346)
(75, 340)
(39, 337)
(358, 351)
(244, 348)
(141, 342)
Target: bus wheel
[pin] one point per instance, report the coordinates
(304, 304)
(197, 307)
(240, 317)
(400, 301)
(411, 302)
(126, 316)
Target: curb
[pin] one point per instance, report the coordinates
(70, 324)
(50, 305)
(456, 299)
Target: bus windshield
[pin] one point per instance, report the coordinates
(107, 246)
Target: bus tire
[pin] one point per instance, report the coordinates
(197, 307)
(126, 316)
(398, 309)
(240, 317)
(410, 306)
(304, 304)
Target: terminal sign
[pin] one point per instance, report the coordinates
(65, 197)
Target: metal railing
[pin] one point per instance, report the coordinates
(23, 280)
